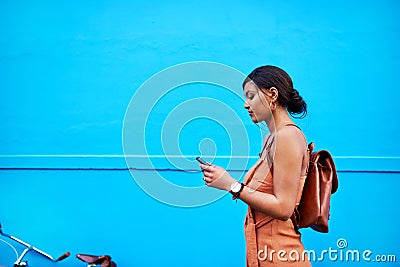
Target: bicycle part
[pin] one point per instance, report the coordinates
(28, 248)
(19, 261)
(104, 260)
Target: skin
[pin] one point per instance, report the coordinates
(289, 160)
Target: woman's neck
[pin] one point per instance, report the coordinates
(280, 117)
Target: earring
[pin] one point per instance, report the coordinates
(272, 105)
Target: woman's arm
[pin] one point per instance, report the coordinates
(287, 163)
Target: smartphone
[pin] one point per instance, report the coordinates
(202, 161)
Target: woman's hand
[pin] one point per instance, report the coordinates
(217, 177)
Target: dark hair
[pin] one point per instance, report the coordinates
(268, 76)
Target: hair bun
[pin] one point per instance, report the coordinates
(296, 104)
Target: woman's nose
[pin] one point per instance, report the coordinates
(246, 106)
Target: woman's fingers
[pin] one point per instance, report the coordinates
(207, 173)
(211, 173)
(216, 177)
(207, 180)
(207, 170)
(205, 167)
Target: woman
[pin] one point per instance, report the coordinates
(272, 187)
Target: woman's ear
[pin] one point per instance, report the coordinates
(273, 93)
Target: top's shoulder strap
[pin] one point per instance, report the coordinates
(266, 146)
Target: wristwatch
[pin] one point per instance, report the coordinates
(236, 189)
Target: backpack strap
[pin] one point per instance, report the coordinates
(301, 187)
(296, 215)
(292, 124)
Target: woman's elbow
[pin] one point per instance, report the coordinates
(284, 217)
(285, 214)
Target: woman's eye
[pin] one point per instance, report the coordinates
(251, 97)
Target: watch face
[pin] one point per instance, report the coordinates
(235, 187)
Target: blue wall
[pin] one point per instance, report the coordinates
(69, 70)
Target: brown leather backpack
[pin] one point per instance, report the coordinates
(321, 182)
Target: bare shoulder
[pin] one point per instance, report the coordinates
(291, 138)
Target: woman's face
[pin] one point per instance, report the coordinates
(256, 103)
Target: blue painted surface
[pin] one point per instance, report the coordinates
(68, 72)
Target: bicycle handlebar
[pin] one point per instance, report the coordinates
(30, 247)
